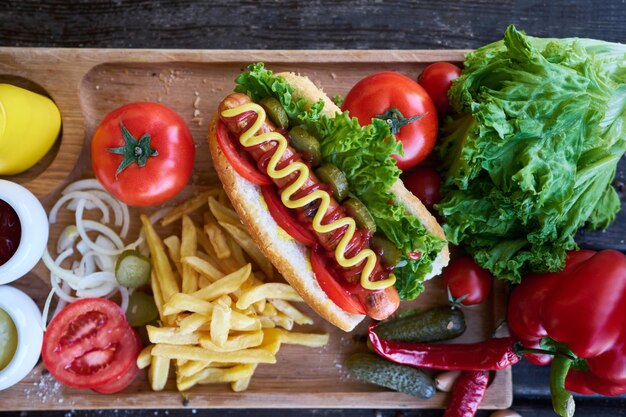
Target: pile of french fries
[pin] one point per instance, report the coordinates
(221, 311)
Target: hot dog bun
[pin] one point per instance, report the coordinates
(289, 257)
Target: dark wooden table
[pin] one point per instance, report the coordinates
(321, 24)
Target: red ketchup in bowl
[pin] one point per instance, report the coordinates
(10, 232)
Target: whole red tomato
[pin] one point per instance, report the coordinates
(468, 284)
(436, 80)
(400, 100)
(143, 153)
(425, 184)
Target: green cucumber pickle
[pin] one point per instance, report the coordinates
(436, 324)
(367, 367)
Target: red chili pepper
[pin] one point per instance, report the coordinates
(490, 355)
(469, 390)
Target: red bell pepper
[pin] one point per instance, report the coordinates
(580, 314)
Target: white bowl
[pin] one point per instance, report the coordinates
(27, 318)
(34, 222)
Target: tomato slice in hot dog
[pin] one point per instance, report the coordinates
(284, 219)
(238, 158)
(333, 289)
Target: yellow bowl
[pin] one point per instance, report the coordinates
(29, 126)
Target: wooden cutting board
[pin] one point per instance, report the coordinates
(88, 83)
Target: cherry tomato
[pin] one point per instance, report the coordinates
(89, 344)
(379, 94)
(281, 215)
(143, 153)
(468, 283)
(425, 184)
(238, 158)
(331, 286)
(436, 80)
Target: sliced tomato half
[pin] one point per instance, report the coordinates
(331, 286)
(238, 158)
(126, 379)
(283, 217)
(89, 344)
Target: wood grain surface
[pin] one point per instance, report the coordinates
(87, 84)
(326, 24)
(318, 24)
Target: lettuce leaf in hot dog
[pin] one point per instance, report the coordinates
(364, 155)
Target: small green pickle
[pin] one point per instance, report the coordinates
(361, 215)
(333, 176)
(275, 112)
(306, 144)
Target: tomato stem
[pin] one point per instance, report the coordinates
(396, 120)
(134, 151)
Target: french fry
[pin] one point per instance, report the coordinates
(200, 354)
(188, 247)
(225, 285)
(237, 259)
(242, 384)
(220, 324)
(205, 242)
(223, 213)
(192, 367)
(243, 323)
(218, 240)
(172, 243)
(259, 306)
(267, 322)
(269, 310)
(274, 290)
(192, 322)
(244, 240)
(186, 302)
(216, 375)
(271, 340)
(238, 322)
(238, 342)
(160, 262)
(145, 357)
(226, 320)
(203, 267)
(283, 321)
(229, 374)
(156, 292)
(290, 311)
(303, 339)
(172, 336)
(189, 206)
(159, 372)
(225, 300)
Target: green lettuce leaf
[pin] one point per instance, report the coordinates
(364, 155)
(531, 157)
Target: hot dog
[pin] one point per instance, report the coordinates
(344, 247)
(378, 304)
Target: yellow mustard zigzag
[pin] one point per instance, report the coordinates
(250, 138)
